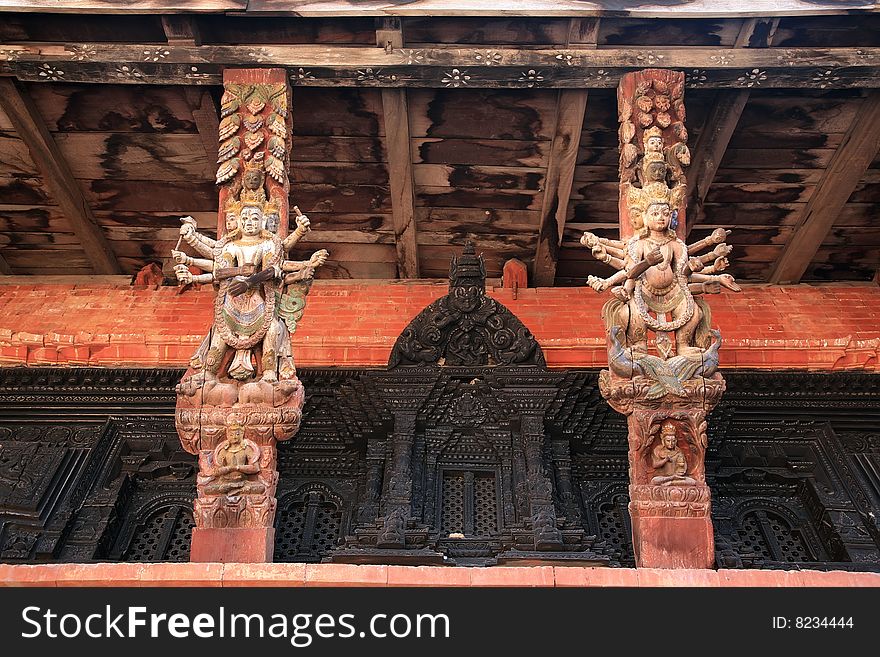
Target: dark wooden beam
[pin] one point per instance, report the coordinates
(207, 120)
(721, 124)
(181, 30)
(389, 36)
(571, 105)
(847, 167)
(5, 269)
(344, 65)
(57, 177)
(557, 184)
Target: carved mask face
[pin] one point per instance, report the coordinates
(654, 144)
(658, 216)
(231, 222)
(466, 299)
(252, 179)
(251, 221)
(669, 441)
(656, 172)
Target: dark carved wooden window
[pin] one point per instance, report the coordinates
(163, 536)
(614, 528)
(469, 503)
(769, 536)
(308, 526)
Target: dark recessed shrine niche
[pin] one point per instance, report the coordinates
(91, 468)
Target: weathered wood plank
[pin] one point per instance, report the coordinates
(114, 7)
(228, 28)
(558, 182)
(181, 30)
(57, 175)
(400, 174)
(575, 8)
(847, 263)
(340, 173)
(15, 158)
(777, 158)
(337, 112)
(136, 156)
(501, 199)
(5, 269)
(710, 149)
(337, 149)
(423, 31)
(490, 152)
(479, 177)
(475, 220)
(113, 108)
(207, 120)
(850, 161)
(663, 32)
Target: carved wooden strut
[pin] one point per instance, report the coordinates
(657, 290)
(241, 393)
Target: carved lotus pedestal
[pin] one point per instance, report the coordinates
(670, 502)
(234, 429)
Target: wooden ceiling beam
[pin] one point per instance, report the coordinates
(207, 120)
(181, 30)
(389, 36)
(846, 169)
(57, 177)
(721, 123)
(5, 269)
(344, 65)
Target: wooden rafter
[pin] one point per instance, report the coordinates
(207, 120)
(847, 167)
(343, 65)
(5, 269)
(389, 36)
(571, 105)
(558, 180)
(57, 176)
(721, 124)
(181, 30)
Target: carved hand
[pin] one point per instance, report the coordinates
(719, 235)
(729, 282)
(597, 283)
(599, 252)
(588, 239)
(238, 286)
(303, 223)
(722, 250)
(711, 288)
(188, 226)
(319, 258)
(695, 264)
(184, 275)
(720, 264)
(179, 257)
(654, 257)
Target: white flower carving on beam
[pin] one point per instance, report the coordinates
(488, 57)
(125, 72)
(84, 52)
(9, 54)
(195, 74)
(301, 74)
(49, 72)
(368, 75)
(155, 54)
(826, 78)
(721, 60)
(600, 75)
(531, 77)
(456, 78)
(695, 78)
(413, 56)
(259, 55)
(565, 58)
(752, 78)
(649, 57)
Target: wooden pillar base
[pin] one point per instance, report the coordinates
(232, 545)
(660, 542)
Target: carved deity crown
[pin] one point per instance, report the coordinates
(667, 428)
(467, 270)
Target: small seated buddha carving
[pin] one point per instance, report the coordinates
(668, 461)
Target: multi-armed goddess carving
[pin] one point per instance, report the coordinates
(659, 278)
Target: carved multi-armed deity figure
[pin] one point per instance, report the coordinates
(249, 266)
(658, 279)
(670, 384)
(241, 395)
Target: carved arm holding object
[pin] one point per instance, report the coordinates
(201, 243)
(652, 258)
(717, 236)
(302, 227)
